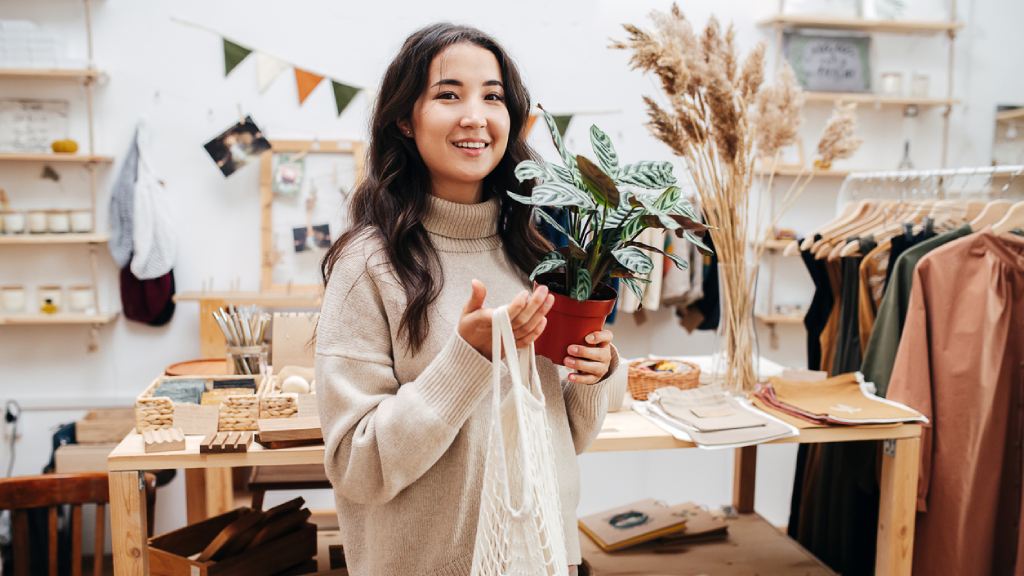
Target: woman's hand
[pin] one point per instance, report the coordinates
(526, 311)
(590, 362)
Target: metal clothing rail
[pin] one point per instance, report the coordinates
(1011, 170)
(925, 184)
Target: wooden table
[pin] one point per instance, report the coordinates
(622, 431)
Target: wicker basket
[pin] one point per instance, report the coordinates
(643, 380)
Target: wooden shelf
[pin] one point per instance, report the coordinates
(38, 239)
(1011, 114)
(50, 73)
(265, 299)
(774, 319)
(56, 319)
(753, 546)
(50, 157)
(878, 99)
(862, 25)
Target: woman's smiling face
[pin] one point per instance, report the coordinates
(460, 122)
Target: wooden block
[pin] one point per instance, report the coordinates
(104, 426)
(290, 429)
(164, 440)
(220, 442)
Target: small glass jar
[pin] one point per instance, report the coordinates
(81, 221)
(919, 86)
(247, 359)
(14, 222)
(81, 299)
(58, 221)
(37, 221)
(13, 299)
(892, 84)
(50, 298)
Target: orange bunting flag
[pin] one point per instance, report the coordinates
(306, 82)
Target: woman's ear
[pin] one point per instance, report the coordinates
(405, 128)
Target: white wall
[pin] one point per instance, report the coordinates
(561, 48)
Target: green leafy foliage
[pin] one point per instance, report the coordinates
(607, 204)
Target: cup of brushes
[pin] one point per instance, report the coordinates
(244, 329)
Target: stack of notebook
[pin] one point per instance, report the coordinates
(711, 418)
(840, 400)
(651, 525)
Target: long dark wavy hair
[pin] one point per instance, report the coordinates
(391, 200)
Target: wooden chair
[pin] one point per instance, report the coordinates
(19, 494)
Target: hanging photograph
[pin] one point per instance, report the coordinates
(829, 63)
(237, 146)
(289, 170)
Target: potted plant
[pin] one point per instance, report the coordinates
(606, 206)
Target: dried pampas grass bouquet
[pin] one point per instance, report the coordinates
(720, 118)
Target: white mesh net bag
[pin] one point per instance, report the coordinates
(519, 532)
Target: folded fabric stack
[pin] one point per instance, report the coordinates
(711, 417)
(841, 400)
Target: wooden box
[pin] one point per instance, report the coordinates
(104, 426)
(169, 553)
(277, 404)
(200, 419)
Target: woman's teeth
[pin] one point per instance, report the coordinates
(470, 144)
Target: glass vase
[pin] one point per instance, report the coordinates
(736, 362)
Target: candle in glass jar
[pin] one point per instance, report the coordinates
(80, 299)
(81, 221)
(13, 299)
(58, 221)
(14, 222)
(49, 299)
(37, 221)
(892, 83)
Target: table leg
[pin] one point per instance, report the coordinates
(128, 523)
(209, 492)
(901, 460)
(744, 479)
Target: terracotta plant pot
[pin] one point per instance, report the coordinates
(569, 320)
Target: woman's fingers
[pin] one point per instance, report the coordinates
(530, 337)
(533, 304)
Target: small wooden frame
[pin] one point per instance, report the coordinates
(222, 442)
(305, 429)
(163, 440)
(269, 256)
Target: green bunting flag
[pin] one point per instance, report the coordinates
(233, 55)
(562, 122)
(343, 94)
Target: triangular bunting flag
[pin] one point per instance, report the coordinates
(562, 122)
(268, 69)
(306, 82)
(530, 121)
(233, 55)
(343, 94)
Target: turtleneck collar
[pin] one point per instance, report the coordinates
(462, 221)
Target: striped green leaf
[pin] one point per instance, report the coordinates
(556, 194)
(635, 259)
(582, 287)
(528, 170)
(551, 221)
(600, 184)
(606, 154)
(634, 287)
(649, 175)
(633, 227)
(668, 200)
(548, 264)
(564, 175)
(556, 137)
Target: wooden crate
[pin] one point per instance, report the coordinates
(169, 553)
(277, 404)
(104, 426)
(198, 419)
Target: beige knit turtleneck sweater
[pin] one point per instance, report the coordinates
(406, 433)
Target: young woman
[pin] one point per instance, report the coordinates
(403, 360)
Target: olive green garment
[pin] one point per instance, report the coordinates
(885, 337)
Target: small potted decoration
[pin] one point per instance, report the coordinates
(605, 207)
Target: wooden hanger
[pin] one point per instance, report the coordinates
(850, 211)
(908, 213)
(882, 214)
(1014, 218)
(838, 232)
(992, 213)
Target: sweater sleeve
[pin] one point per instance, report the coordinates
(381, 435)
(586, 406)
